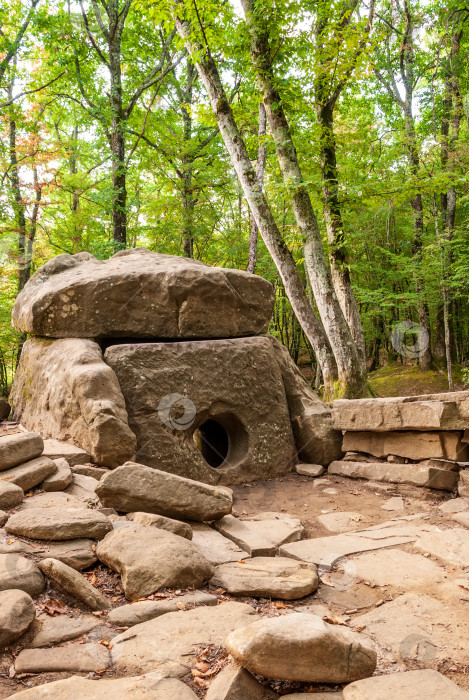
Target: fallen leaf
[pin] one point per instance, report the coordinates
(326, 579)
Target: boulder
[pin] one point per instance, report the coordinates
(64, 389)
(302, 647)
(84, 488)
(19, 447)
(159, 521)
(414, 685)
(412, 445)
(5, 409)
(79, 554)
(214, 411)
(74, 583)
(267, 577)
(56, 630)
(152, 686)
(143, 610)
(316, 439)
(214, 546)
(149, 559)
(59, 523)
(171, 643)
(30, 474)
(10, 495)
(233, 683)
(262, 534)
(75, 657)
(17, 612)
(20, 573)
(134, 487)
(414, 474)
(313, 470)
(137, 293)
(56, 449)
(429, 412)
(61, 479)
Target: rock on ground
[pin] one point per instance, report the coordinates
(5, 409)
(151, 686)
(463, 486)
(21, 573)
(396, 568)
(89, 470)
(18, 448)
(313, 470)
(79, 554)
(56, 630)
(74, 583)
(10, 495)
(267, 577)
(302, 647)
(234, 683)
(17, 612)
(134, 487)
(76, 657)
(143, 610)
(59, 524)
(159, 521)
(414, 685)
(211, 410)
(450, 546)
(342, 521)
(52, 499)
(30, 474)
(64, 389)
(149, 559)
(410, 444)
(138, 293)
(170, 643)
(216, 548)
(56, 449)
(454, 505)
(261, 534)
(413, 474)
(61, 479)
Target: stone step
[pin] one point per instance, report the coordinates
(413, 474)
(408, 444)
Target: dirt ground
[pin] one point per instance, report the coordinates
(442, 645)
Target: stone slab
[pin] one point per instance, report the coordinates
(410, 685)
(408, 444)
(214, 546)
(30, 474)
(56, 449)
(19, 447)
(450, 546)
(262, 534)
(397, 568)
(313, 470)
(413, 474)
(342, 521)
(144, 610)
(56, 630)
(83, 657)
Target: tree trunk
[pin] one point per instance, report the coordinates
(261, 155)
(117, 143)
(351, 367)
(259, 206)
(188, 202)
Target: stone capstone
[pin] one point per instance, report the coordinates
(63, 389)
(137, 293)
(57, 523)
(149, 559)
(302, 647)
(214, 411)
(135, 487)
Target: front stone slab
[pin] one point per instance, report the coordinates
(209, 410)
(65, 391)
(409, 444)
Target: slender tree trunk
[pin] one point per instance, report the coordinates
(259, 206)
(188, 202)
(351, 366)
(261, 155)
(117, 143)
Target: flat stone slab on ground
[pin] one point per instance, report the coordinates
(17, 612)
(262, 534)
(79, 554)
(10, 495)
(234, 683)
(302, 647)
(410, 685)
(409, 444)
(267, 577)
(170, 643)
(74, 583)
(52, 499)
(159, 521)
(450, 546)
(134, 487)
(77, 657)
(56, 630)
(19, 448)
(397, 568)
(342, 521)
(214, 546)
(149, 559)
(454, 505)
(18, 572)
(412, 474)
(144, 610)
(55, 449)
(394, 504)
(313, 470)
(90, 470)
(59, 524)
(462, 519)
(30, 474)
(151, 686)
(61, 479)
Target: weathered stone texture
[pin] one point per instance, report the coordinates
(409, 444)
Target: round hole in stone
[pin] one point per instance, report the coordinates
(213, 441)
